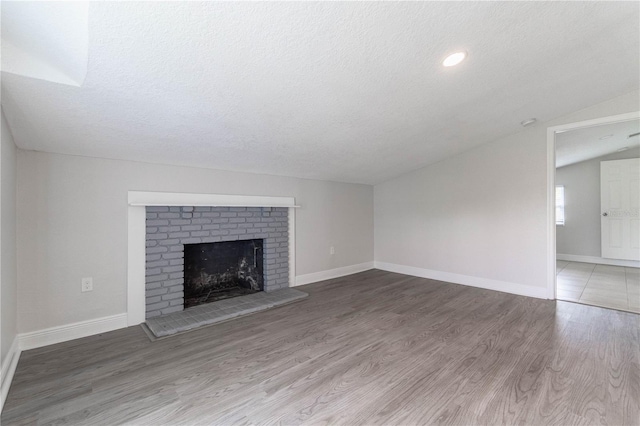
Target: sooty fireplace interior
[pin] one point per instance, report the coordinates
(215, 271)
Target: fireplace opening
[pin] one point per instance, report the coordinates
(216, 271)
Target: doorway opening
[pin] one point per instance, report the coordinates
(593, 212)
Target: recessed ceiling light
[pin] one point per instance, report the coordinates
(624, 148)
(605, 137)
(454, 59)
(528, 122)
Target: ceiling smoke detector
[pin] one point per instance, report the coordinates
(529, 122)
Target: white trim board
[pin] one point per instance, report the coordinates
(489, 284)
(145, 198)
(292, 247)
(50, 336)
(64, 333)
(598, 260)
(333, 273)
(8, 370)
(138, 200)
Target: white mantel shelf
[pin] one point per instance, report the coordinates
(143, 198)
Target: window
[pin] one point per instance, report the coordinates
(560, 205)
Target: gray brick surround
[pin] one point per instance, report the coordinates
(170, 228)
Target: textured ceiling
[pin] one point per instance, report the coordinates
(592, 142)
(349, 92)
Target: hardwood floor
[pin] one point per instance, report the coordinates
(371, 348)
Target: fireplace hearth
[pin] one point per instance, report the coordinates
(221, 270)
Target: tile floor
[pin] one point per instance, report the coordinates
(616, 287)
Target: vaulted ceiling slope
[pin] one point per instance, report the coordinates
(351, 92)
(588, 143)
(47, 41)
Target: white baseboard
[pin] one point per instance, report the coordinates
(64, 333)
(50, 336)
(598, 260)
(489, 284)
(8, 370)
(333, 273)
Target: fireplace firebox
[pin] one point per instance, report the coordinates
(220, 270)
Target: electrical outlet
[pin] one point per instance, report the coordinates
(87, 284)
(332, 250)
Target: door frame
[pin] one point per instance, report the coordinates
(551, 185)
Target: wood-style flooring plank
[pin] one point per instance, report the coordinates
(371, 348)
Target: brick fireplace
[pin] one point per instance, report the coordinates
(139, 201)
(169, 228)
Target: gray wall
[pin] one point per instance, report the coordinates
(8, 272)
(581, 233)
(481, 214)
(72, 223)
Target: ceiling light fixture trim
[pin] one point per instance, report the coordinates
(454, 59)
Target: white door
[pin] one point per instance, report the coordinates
(620, 220)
